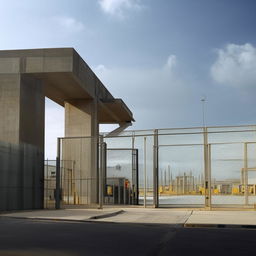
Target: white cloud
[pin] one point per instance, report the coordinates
(100, 68)
(69, 24)
(171, 62)
(117, 7)
(235, 66)
(153, 94)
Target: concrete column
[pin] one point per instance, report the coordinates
(81, 119)
(21, 110)
(22, 141)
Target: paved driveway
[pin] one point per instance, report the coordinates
(35, 237)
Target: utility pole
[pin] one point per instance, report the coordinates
(203, 100)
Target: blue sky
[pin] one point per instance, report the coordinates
(160, 56)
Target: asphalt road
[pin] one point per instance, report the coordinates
(34, 237)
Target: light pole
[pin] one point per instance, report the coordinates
(203, 100)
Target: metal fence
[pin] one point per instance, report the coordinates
(121, 176)
(74, 178)
(197, 167)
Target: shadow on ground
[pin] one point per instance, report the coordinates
(35, 237)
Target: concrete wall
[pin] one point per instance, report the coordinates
(10, 107)
(21, 142)
(21, 177)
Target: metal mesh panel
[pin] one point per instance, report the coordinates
(251, 172)
(227, 162)
(181, 175)
(49, 183)
(79, 171)
(121, 176)
(145, 168)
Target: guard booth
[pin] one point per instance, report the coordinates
(121, 178)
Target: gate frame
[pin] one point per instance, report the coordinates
(135, 168)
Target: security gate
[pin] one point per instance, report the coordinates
(198, 167)
(121, 176)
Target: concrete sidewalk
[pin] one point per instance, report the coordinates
(150, 215)
(65, 214)
(184, 217)
(222, 219)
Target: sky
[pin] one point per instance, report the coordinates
(160, 56)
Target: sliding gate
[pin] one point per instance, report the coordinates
(121, 176)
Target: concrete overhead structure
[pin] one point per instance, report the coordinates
(26, 77)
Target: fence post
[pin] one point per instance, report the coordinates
(57, 190)
(102, 170)
(210, 175)
(207, 176)
(245, 174)
(145, 172)
(155, 170)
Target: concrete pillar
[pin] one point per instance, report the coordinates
(21, 110)
(81, 119)
(22, 142)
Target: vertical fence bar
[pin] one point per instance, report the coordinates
(68, 185)
(246, 173)
(73, 188)
(133, 183)
(124, 192)
(137, 176)
(155, 170)
(145, 172)
(104, 177)
(119, 193)
(206, 169)
(57, 189)
(47, 185)
(209, 176)
(114, 192)
(102, 170)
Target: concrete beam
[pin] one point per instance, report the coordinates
(65, 75)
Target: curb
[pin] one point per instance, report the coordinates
(194, 225)
(90, 219)
(107, 215)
